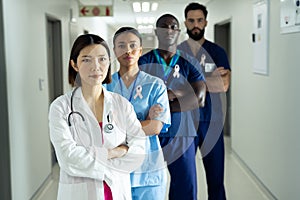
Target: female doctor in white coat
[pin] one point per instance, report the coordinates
(95, 133)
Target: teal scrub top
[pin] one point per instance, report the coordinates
(144, 92)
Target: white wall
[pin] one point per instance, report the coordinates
(26, 63)
(25, 41)
(265, 111)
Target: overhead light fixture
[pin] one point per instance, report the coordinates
(145, 28)
(145, 20)
(154, 6)
(144, 6)
(136, 7)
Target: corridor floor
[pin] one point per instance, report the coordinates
(239, 184)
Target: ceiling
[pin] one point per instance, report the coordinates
(123, 14)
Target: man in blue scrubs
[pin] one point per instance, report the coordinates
(214, 63)
(186, 91)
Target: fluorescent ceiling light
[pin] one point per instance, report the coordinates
(154, 6)
(145, 20)
(145, 28)
(136, 6)
(145, 6)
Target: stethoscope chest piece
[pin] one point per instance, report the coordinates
(108, 128)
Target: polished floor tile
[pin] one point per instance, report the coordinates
(238, 184)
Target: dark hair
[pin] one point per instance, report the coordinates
(165, 16)
(195, 6)
(81, 42)
(127, 30)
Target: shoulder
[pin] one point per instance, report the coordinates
(152, 82)
(61, 103)
(211, 45)
(111, 86)
(182, 45)
(184, 54)
(115, 78)
(147, 60)
(115, 75)
(188, 59)
(62, 98)
(147, 55)
(217, 53)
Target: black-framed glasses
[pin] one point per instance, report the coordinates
(173, 27)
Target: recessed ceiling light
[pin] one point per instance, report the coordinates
(154, 6)
(145, 6)
(136, 6)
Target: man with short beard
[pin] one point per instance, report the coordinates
(214, 63)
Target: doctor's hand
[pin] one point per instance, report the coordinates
(117, 152)
(155, 111)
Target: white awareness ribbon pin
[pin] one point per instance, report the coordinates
(202, 62)
(138, 92)
(176, 73)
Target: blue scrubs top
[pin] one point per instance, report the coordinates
(213, 54)
(189, 70)
(144, 92)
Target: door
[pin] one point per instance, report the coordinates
(222, 37)
(5, 181)
(55, 67)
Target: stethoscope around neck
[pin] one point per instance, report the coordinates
(107, 128)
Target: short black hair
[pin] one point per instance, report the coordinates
(127, 29)
(165, 16)
(81, 42)
(195, 6)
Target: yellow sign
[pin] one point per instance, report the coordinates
(94, 11)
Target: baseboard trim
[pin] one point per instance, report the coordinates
(43, 188)
(253, 177)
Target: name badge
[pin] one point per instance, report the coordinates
(209, 67)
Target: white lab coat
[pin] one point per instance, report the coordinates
(80, 153)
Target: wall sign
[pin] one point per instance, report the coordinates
(95, 11)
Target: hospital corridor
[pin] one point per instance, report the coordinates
(261, 39)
